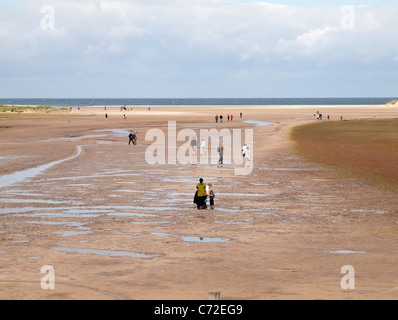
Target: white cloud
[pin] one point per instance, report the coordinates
(313, 38)
(189, 45)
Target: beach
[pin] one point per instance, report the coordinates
(77, 197)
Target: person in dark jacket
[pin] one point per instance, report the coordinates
(131, 138)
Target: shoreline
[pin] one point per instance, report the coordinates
(76, 102)
(193, 106)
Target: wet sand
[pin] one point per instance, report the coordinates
(115, 227)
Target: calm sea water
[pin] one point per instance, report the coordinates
(195, 102)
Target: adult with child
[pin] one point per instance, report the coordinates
(201, 195)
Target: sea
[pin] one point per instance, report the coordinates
(81, 102)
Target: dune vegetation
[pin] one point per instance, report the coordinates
(10, 111)
(7, 108)
(364, 149)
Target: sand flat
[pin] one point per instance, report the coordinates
(121, 223)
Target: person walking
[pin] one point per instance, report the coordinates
(194, 145)
(202, 147)
(216, 118)
(131, 138)
(201, 195)
(245, 152)
(221, 154)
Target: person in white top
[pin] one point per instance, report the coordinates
(245, 153)
(208, 188)
(202, 147)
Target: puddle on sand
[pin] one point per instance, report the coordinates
(138, 208)
(57, 215)
(346, 252)
(259, 123)
(24, 209)
(248, 194)
(152, 222)
(340, 251)
(366, 211)
(23, 193)
(191, 239)
(109, 253)
(179, 180)
(130, 214)
(203, 239)
(40, 201)
(10, 179)
(232, 222)
(127, 233)
(71, 233)
(78, 225)
(117, 133)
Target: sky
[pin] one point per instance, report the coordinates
(198, 48)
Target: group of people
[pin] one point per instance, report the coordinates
(319, 116)
(229, 117)
(194, 146)
(202, 193)
(245, 153)
(220, 150)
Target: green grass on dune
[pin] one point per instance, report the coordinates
(16, 112)
(4, 108)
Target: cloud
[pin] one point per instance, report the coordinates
(183, 47)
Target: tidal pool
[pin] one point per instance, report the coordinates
(109, 253)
